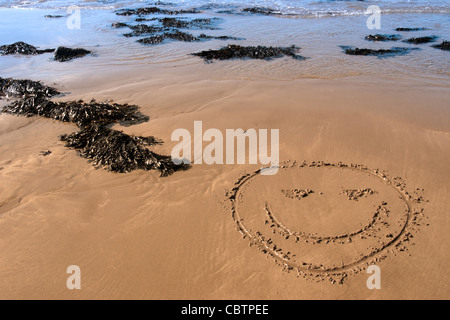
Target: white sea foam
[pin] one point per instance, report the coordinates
(299, 8)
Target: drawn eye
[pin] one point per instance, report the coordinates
(356, 194)
(352, 194)
(297, 193)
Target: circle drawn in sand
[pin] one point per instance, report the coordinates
(362, 214)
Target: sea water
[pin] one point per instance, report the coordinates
(318, 27)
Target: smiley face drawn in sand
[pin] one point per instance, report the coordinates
(324, 220)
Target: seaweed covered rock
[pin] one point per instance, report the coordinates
(63, 54)
(383, 37)
(177, 35)
(240, 52)
(78, 112)
(421, 40)
(206, 37)
(26, 89)
(119, 152)
(168, 24)
(261, 10)
(410, 29)
(205, 23)
(145, 19)
(182, 36)
(445, 45)
(396, 51)
(174, 23)
(154, 10)
(139, 11)
(143, 29)
(153, 40)
(22, 48)
(118, 25)
(49, 16)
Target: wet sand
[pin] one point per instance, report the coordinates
(138, 235)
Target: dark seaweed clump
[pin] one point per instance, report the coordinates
(167, 24)
(189, 24)
(33, 99)
(421, 40)
(381, 53)
(22, 48)
(240, 52)
(78, 112)
(169, 29)
(49, 16)
(153, 39)
(154, 10)
(445, 45)
(145, 19)
(177, 35)
(383, 37)
(25, 89)
(118, 25)
(181, 36)
(142, 29)
(118, 151)
(410, 29)
(64, 54)
(206, 37)
(260, 10)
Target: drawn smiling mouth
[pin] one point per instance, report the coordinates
(389, 228)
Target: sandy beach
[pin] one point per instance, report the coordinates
(200, 233)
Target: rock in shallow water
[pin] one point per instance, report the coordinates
(421, 40)
(118, 25)
(410, 29)
(22, 48)
(206, 37)
(154, 10)
(63, 54)
(190, 24)
(261, 10)
(49, 16)
(383, 37)
(445, 45)
(143, 29)
(240, 52)
(167, 25)
(381, 53)
(182, 36)
(177, 35)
